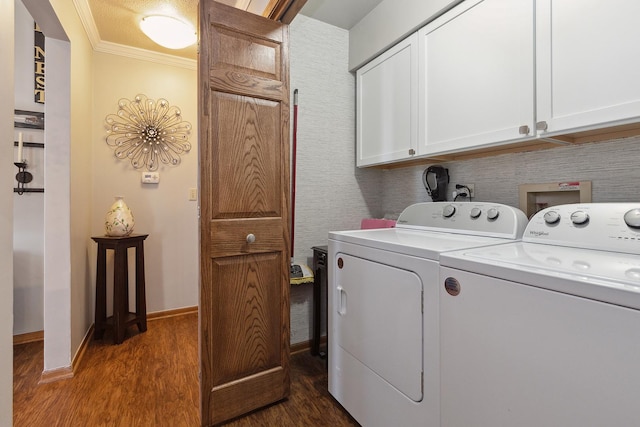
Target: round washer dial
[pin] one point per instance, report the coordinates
(493, 213)
(551, 217)
(448, 211)
(475, 213)
(632, 218)
(580, 217)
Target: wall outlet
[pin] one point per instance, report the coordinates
(470, 186)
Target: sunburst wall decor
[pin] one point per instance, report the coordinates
(148, 132)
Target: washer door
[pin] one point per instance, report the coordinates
(378, 320)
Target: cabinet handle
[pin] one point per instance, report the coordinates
(524, 130)
(541, 125)
(251, 238)
(412, 151)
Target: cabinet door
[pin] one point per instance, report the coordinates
(587, 64)
(387, 104)
(476, 76)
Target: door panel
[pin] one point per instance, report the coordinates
(519, 355)
(378, 316)
(476, 76)
(229, 238)
(387, 105)
(250, 314)
(586, 64)
(244, 193)
(238, 51)
(245, 160)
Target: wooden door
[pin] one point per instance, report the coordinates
(244, 193)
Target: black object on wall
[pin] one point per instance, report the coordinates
(435, 179)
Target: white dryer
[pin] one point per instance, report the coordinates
(545, 332)
(383, 307)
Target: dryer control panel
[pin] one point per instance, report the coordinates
(604, 226)
(475, 218)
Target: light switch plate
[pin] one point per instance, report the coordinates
(193, 194)
(150, 177)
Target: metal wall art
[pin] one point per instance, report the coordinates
(148, 132)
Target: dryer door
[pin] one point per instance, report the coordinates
(378, 320)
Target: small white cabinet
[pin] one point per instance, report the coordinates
(387, 105)
(477, 76)
(490, 73)
(588, 54)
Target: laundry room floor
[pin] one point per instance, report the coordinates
(151, 379)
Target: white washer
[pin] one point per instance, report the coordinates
(383, 307)
(545, 332)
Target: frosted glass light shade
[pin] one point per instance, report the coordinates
(168, 32)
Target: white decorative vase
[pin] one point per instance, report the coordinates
(119, 219)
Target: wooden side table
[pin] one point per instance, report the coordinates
(319, 281)
(121, 318)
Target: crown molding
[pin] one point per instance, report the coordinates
(86, 17)
(146, 55)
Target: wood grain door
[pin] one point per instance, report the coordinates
(244, 193)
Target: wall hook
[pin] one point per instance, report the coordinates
(23, 177)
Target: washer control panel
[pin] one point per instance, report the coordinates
(604, 226)
(479, 218)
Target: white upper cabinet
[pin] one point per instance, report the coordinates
(588, 55)
(490, 73)
(477, 77)
(387, 105)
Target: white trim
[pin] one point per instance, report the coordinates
(57, 207)
(99, 45)
(145, 55)
(7, 182)
(89, 24)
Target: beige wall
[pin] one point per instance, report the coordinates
(67, 112)
(7, 172)
(87, 176)
(161, 210)
(81, 92)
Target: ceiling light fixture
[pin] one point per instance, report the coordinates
(168, 32)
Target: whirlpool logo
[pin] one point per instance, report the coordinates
(538, 233)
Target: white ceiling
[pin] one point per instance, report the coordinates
(340, 13)
(112, 25)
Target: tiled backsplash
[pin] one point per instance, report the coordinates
(611, 166)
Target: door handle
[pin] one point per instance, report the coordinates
(251, 238)
(342, 301)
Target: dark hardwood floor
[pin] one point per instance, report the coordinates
(151, 379)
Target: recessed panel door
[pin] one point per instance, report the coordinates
(477, 76)
(378, 320)
(587, 56)
(244, 182)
